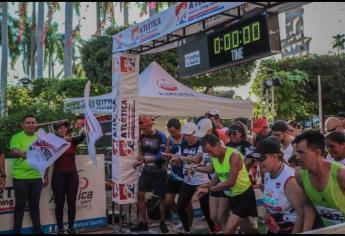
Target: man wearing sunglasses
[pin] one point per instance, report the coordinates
(333, 124)
(280, 131)
(322, 181)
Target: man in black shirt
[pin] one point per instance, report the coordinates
(154, 174)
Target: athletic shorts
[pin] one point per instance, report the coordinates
(173, 186)
(153, 181)
(218, 194)
(244, 205)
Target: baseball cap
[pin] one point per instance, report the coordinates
(341, 114)
(60, 123)
(189, 128)
(203, 127)
(145, 120)
(266, 146)
(214, 112)
(280, 126)
(259, 124)
(234, 128)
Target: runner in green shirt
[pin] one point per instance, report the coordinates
(232, 178)
(323, 181)
(27, 182)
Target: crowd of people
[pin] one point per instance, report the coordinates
(301, 174)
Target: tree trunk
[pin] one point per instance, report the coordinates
(98, 14)
(4, 61)
(49, 66)
(68, 31)
(125, 13)
(33, 42)
(40, 47)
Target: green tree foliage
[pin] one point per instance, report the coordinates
(298, 96)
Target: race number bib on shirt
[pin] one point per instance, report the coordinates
(330, 215)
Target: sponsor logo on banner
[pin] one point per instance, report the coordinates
(7, 199)
(176, 94)
(135, 33)
(166, 85)
(192, 59)
(181, 13)
(126, 147)
(127, 126)
(123, 192)
(201, 9)
(150, 29)
(85, 195)
(127, 64)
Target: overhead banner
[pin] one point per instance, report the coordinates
(174, 18)
(91, 200)
(125, 127)
(98, 104)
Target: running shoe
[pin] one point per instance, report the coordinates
(140, 227)
(163, 227)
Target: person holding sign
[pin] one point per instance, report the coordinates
(65, 180)
(27, 181)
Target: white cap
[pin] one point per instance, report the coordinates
(189, 128)
(214, 112)
(203, 127)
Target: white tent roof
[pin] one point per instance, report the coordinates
(161, 95)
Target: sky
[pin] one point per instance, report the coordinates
(322, 20)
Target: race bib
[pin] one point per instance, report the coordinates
(331, 216)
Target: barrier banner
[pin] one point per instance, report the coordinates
(125, 127)
(91, 200)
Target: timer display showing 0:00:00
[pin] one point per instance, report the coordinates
(250, 33)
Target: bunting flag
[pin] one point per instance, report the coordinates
(52, 9)
(22, 20)
(76, 29)
(93, 128)
(45, 150)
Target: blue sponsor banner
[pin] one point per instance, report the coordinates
(52, 228)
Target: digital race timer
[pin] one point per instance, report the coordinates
(246, 40)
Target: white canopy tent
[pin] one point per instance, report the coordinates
(161, 95)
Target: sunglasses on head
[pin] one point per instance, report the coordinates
(234, 132)
(261, 158)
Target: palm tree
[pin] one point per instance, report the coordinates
(33, 41)
(125, 6)
(339, 42)
(40, 49)
(4, 61)
(68, 39)
(54, 48)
